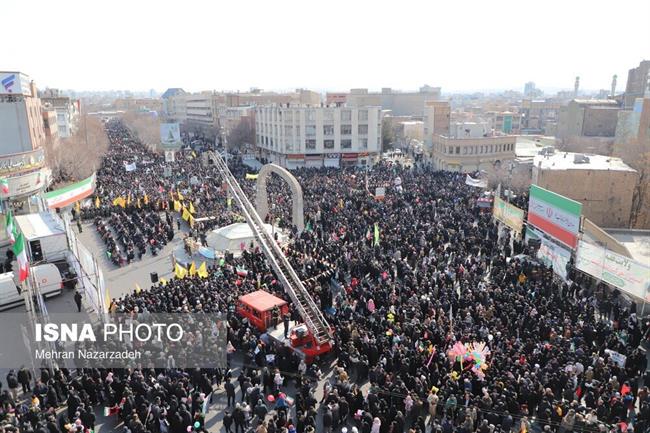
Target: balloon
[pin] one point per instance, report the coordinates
(282, 395)
(197, 424)
(189, 428)
(270, 398)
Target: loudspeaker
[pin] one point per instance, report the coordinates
(37, 252)
(154, 277)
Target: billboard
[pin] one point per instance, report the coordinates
(27, 182)
(508, 214)
(555, 215)
(170, 135)
(550, 253)
(619, 271)
(14, 83)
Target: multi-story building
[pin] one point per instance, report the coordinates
(530, 91)
(174, 104)
(437, 118)
(22, 137)
(603, 184)
(588, 118)
(399, 103)
(50, 125)
(139, 104)
(471, 146)
(67, 111)
(506, 122)
(336, 98)
(301, 136)
(539, 116)
(638, 83)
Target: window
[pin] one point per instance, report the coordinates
(310, 115)
(464, 150)
(457, 150)
(310, 144)
(328, 129)
(310, 130)
(346, 143)
(363, 115)
(363, 129)
(298, 130)
(363, 143)
(328, 115)
(346, 129)
(289, 144)
(288, 116)
(346, 115)
(288, 130)
(328, 144)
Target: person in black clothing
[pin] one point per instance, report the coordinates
(25, 377)
(77, 300)
(227, 421)
(285, 320)
(230, 392)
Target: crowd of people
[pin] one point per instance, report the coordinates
(564, 356)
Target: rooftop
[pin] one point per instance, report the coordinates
(636, 241)
(567, 161)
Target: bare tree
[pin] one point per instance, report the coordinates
(145, 126)
(242, 134)
(77, 157)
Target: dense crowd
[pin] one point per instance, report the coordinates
(439, 273)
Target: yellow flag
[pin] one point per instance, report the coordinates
(202, 271)
(192, 210)
(229, 201)
(191, 221)
(180, 272)
(180, 196)
(116, 201)
(163, 281)
(146, 199)
(97, 202)
(250, 176)
(177, 206)
(128, 200)
(77, 207)
(186, 214)
(192, 269)
(138, 203)
(122, 202)
(137, 288)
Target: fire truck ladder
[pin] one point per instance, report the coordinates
(307, 308)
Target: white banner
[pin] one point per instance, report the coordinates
(130, 167)
(555, 256)
(628, 275)
(169, 156)
(479, 183)
(170, 135)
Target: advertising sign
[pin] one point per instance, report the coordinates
(628, 275)
(555, 215)
(170, 135)
(26, 182)
(14, 83)
(508, 214)
(550, 253)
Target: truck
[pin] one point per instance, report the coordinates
(45, 237)
(47, 277)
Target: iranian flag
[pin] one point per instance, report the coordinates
(10, 227)
(65, 196)
(4, 184)
(21, 256)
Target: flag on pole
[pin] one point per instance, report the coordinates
(21, 256)
(77, 207)
(242, 272)
(180, 196)
(202, 271)
(229, 201)
(186, 214)
(97, 202)
(192, 269)
(177, 205)
(137, 288)
(146, 199)
(250, 176)
(138, 204)
(376, 234)
(180, 272)
(163, 281)
(4, 184)
(10, 227)
(128, 200)
(192, 210)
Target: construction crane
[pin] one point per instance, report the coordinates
(319, 340)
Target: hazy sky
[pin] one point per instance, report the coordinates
(327, 44)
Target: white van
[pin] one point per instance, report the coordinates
(47, 277)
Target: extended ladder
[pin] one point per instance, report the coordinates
(307, 308)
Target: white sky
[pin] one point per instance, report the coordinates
(460, 45)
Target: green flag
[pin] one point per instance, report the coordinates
(308, 227)
(376, 234)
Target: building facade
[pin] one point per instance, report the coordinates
(603, 184)
(471, 147)
(539, 116)
(505, 122)
(638, 83)
(437, 119)
(399, 103)
(588, 118)
(301, 136)
(67, 111)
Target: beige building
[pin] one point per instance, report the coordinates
(437, 118)
(470, 147)
(588, 118)
(540, 115)
(638, 83)
(399, 103)
(506, 122)
(603, 184)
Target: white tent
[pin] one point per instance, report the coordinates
(236, 237)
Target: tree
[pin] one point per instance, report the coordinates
(77, 157)
(145, 126)
(242, 134)
(387, 135)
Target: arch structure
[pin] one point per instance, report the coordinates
(262, 197)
